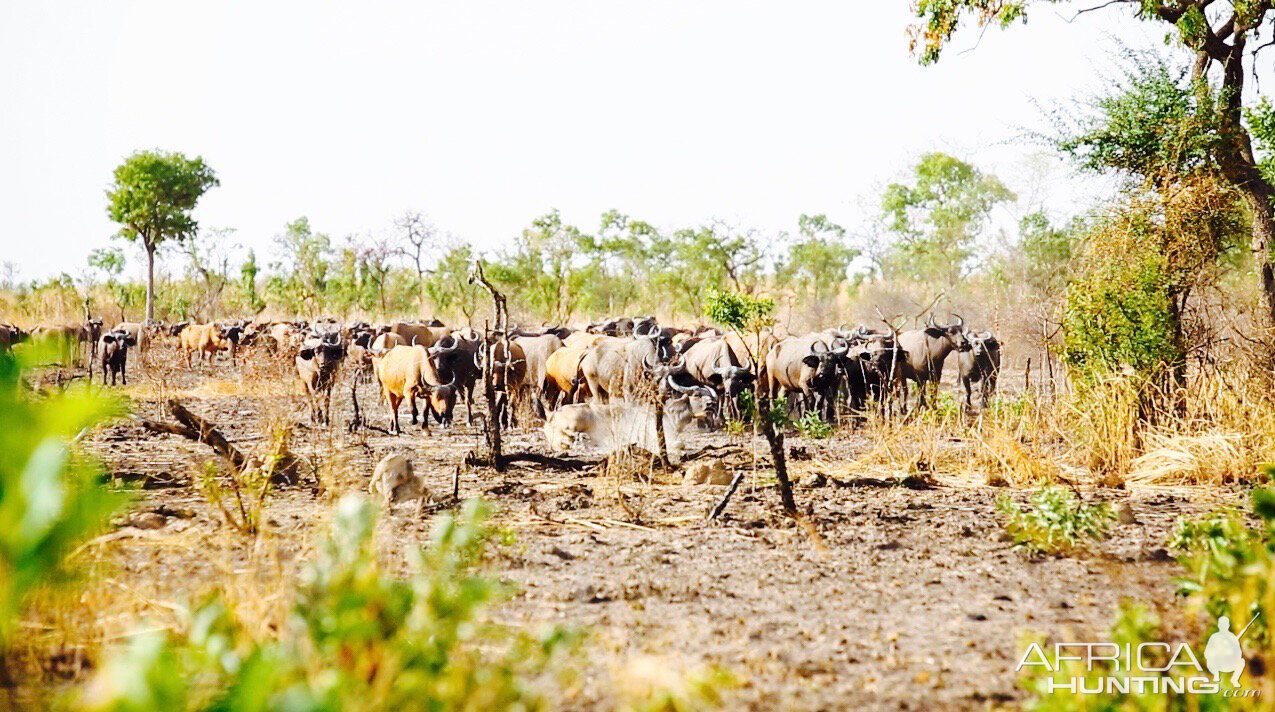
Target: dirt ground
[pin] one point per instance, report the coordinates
(905, 599)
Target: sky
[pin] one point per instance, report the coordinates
(485, 114)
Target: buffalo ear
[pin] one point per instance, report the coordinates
(811, 361)
(934, 332)
(306, 354)
(108, 339)
(130, 341)
(715, 379)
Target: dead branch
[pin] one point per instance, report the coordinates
(721, 504)
(194, 427)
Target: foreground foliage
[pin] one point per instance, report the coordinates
(1230, 570)
(50, 496)
(357, 637)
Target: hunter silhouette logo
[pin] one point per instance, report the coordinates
(1154, 667)
(1223, 652)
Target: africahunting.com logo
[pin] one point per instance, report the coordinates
(1147, 668)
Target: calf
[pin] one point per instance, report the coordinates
(113, 350)
(981, 364)
(317, 365)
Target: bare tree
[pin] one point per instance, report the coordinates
(375, 257)
(417, 238)
(208, 255)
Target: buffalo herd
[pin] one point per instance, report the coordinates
(568, 376)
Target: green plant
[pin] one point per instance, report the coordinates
(812, 427)
(1230, 566)
(357, 637)
(50, 495)
(1056, 523)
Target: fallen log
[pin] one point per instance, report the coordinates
(286, 468)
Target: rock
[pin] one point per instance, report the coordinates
(712, 472)
(395, 480)
(816, 479)
(148, 520)
(1125, 513)
(562, 553)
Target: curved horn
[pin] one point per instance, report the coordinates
(674, 385)
(440, 349)
(647, 364)
(678, 364)
(843, 350)
(930, 321)
(960, 320)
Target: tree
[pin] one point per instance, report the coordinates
(152, 199)
(817, 262)
(209, 258)
(747, 316)
(715, 256)
(418, 237)
(936, 219)
(1042, 255)
(248, 283)
(1217, 34)
(305, 256)
(547, 271)
(448, 286)
(110, 262)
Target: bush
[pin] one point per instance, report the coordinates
(812, 427)
(1120, 315)
(1057, 522)
(357, 638)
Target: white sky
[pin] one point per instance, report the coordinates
(486, 114)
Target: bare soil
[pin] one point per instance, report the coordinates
(891, 598)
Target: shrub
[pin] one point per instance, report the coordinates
(1057, 522)
(357, 637)
(812, 427)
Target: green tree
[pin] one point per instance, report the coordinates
(152, 199)
(936, 219)
(693, 262)
(248, 283)
(110, 262)
(550, 270)
(1217, 33)
(1043, 253)
(303, 283)
(818, 261)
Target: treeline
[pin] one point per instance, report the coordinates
(932, 232)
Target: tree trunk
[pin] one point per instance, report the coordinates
(1239, 165)
(775, 439)
(150, 283)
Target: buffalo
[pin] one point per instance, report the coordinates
(925, 351)
(981, 364)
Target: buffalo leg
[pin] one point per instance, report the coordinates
(394, 403)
